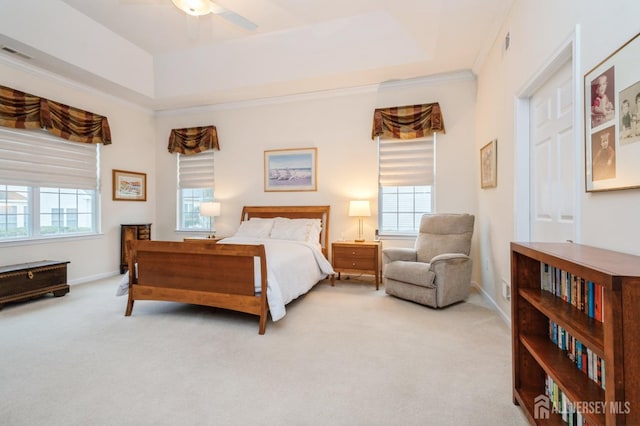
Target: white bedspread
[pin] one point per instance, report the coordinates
(293, 268)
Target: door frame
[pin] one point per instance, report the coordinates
(568, 51)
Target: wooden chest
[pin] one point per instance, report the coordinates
(28, 280)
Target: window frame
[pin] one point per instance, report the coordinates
(199, 179)
(35, 186)
(403, 234)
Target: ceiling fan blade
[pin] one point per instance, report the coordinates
(232, 17)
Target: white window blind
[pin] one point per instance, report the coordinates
(34, 158)
(406, 162)
(196, 171)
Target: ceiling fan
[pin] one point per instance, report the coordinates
(204, 7)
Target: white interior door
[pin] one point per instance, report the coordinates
(553, 159)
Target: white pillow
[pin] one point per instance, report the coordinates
(314, 232)
(296, 229)
(259, 228)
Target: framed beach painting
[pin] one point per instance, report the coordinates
(129, 186)
(612, 120)
(290, 170)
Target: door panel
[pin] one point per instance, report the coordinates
(553, 177)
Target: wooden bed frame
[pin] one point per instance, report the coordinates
(210, 274)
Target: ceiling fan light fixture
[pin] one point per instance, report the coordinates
(193, 7)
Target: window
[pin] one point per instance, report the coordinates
(48, 186)
(406, 170)
(195, 185)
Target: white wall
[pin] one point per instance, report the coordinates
(339, 125)
(538, 29)
(133, 148)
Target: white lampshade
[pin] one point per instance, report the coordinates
(359, 208)
(193, 7)
(210, 209)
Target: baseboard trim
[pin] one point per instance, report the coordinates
(506, 318)
(92, 278)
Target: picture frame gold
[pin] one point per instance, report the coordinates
(489, 165)
(290, 170)
(612, 120)
(129, 186)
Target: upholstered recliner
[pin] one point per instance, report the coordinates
(437, 271)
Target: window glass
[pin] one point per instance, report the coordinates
(48, 186)
(195, 185)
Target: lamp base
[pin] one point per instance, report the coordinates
(358, 240)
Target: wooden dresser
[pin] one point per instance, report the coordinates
(131, 232)
(28, 280)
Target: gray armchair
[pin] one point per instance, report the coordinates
(437, 271)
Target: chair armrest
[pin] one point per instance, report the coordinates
(452, 277)
(392, 254)
(448, 265)
(448, 256)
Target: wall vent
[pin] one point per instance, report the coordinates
(15, 52)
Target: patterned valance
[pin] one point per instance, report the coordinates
(407, 122)
(193, 140)
(20, 110)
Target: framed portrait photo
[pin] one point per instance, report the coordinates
(129, 186)
(489, 165)
(612, 120)
(290, 170)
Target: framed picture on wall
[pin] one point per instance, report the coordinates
(612, 120)
(290, 170)
(129, 186)
(489, 165)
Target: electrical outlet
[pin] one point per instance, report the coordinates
(506, 290)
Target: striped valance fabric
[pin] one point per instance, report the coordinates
(20, 110)
(407, 122)
(193, 140)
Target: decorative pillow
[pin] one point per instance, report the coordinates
(259, 228)
(296, 229)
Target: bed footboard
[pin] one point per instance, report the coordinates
(218, 275)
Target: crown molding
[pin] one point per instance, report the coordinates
(22, 66)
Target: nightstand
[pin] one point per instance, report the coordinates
(350, 256)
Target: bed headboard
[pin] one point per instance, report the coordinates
(294, 212)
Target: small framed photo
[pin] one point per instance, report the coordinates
(129, 186)
(290, 170)
(489, 165)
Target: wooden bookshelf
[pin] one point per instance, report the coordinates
(615, 340)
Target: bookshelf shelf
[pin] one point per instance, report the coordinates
(610, 392)
(580, 326)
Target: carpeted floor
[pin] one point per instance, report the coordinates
(343, 355)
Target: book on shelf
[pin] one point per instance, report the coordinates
(562, 405)
(583, 358)
(584, 295)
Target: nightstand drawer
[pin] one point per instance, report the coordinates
(355, 252)
(355, 263)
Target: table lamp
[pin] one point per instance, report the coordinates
(210, 209)
(359, 209)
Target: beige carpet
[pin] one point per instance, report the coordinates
(344, 355)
